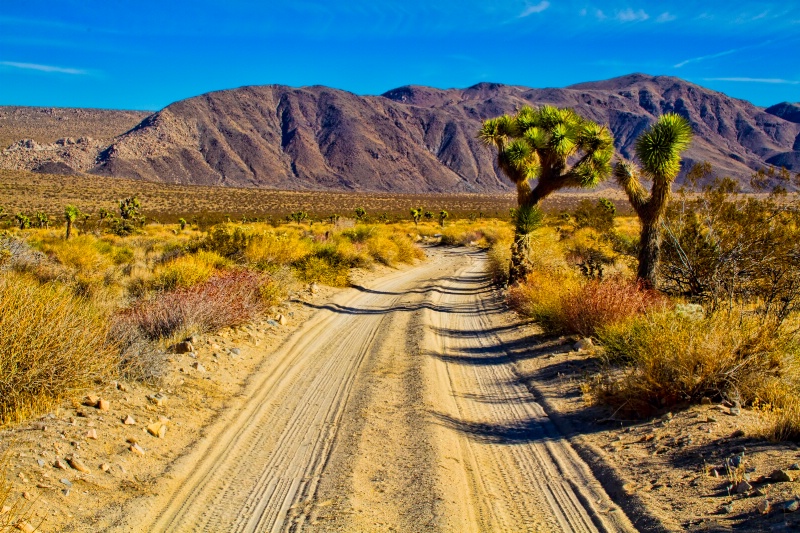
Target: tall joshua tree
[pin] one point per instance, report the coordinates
(553, 148)
(70, 214)
(659, 152)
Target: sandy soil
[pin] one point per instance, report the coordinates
(412, 401)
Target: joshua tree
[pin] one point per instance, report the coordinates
(334, 218)
(428, 215)
(299, 216)
(182, 223)
(42, 219)
(23, 221)
(71, 213)
(129, 208)
(443, 215)
(659, 151)
(555, 148)
(360, 213)
(416, 214)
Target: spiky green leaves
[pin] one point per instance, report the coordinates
(527, 218)
(539, 143)
(659, 149)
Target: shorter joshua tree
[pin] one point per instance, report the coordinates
(361, 213)
(416, 214)
(442, 216)
(334, 218)
(659, 152)
(71, 214)
(182, 223)
(428, 215)
(23, 221)
(298, 216)
(42, 220)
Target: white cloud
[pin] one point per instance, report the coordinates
(666, 17)
(703, 58)
(42, 68)
(538, 8)
(600, 15)
(756, 80)
(629, 15)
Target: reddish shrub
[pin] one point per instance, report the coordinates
(600, 303)
(228, 299)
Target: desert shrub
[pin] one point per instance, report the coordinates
(228, 240)
(229, 298)
(271, 250)
(597, 304)
(323, 267)
(598, 215)
(407, 251)
(187, 270)
(52, 344)
(668, 358)
(499, 261)
(541, 297)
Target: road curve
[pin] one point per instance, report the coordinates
(495, 461)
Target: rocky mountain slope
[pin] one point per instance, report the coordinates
(411, 139)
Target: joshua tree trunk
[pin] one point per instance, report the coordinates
(69, 228)
(649, 250)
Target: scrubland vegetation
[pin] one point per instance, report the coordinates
(108, 300)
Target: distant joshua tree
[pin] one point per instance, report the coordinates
(182, 223)
(42, 220)
(428, 215)
(442, 216)
(553, 148)
(416, 214)
(659, 151)
(71, 213)
(361, 213)
(334, 218)
(298, 216)
(23, 221)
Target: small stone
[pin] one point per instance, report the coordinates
(272, 323)
(135, 448)
(91, 400)
(129, 421)
(66, 482)
(27, 495)
(313, 288)
(780, 476)
(735, 410)
(763, 506)
(215, 347)
(40, 462)
(711, 419)
(157, 399)
(61, 465)
(727, 508)
(795, 466)
(131, 440)
(91, 434)
(282, 320)
(583, 345)
(41, 426)
(743, 487)
(122, 387)
(197, 366)
(76, 463)
(157, 429)
(105, 467)
(182, 347)
(791, 506)
(236, 351)
(25, 526)
(705, 400)
(738, 433)
(104, 405)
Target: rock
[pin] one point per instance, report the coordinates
(743, 487)
(27, 495)
(157, 429)
(105, 467)
(215, 347)
(583, 345)
(122, 387)
(737, 434)
(726, 509)
(791, 506)
(795, 466)
(25, 526)
(41, 426)
(192, 339)
(103, 405)
(129, 421)
(272, 323)
(60, 464)
(780, 476)
(711, 419)
(76, 463)
(763, 506)
(91, 434)
(282, 320)
(236, 351)
(157, 399)
(135, 448)
(66, 482)
(91, 400)
(705, 401)
(197, 366)
(182, 347)
(313, 288)
(40, 462)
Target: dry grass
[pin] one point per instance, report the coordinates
(52, 344)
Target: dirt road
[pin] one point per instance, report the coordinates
(393, 408)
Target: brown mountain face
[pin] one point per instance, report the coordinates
(414, 139)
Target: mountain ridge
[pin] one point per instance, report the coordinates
(411, 139)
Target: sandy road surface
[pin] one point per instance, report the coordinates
(393, 408)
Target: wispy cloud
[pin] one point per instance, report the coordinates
(709, 56)
(756, 80)
(600, 15)
(629, 15)
(538, 8)
(43, 68)
(666, 17)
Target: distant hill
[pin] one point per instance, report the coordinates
(409, 140)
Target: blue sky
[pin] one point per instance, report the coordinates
(144, 55)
